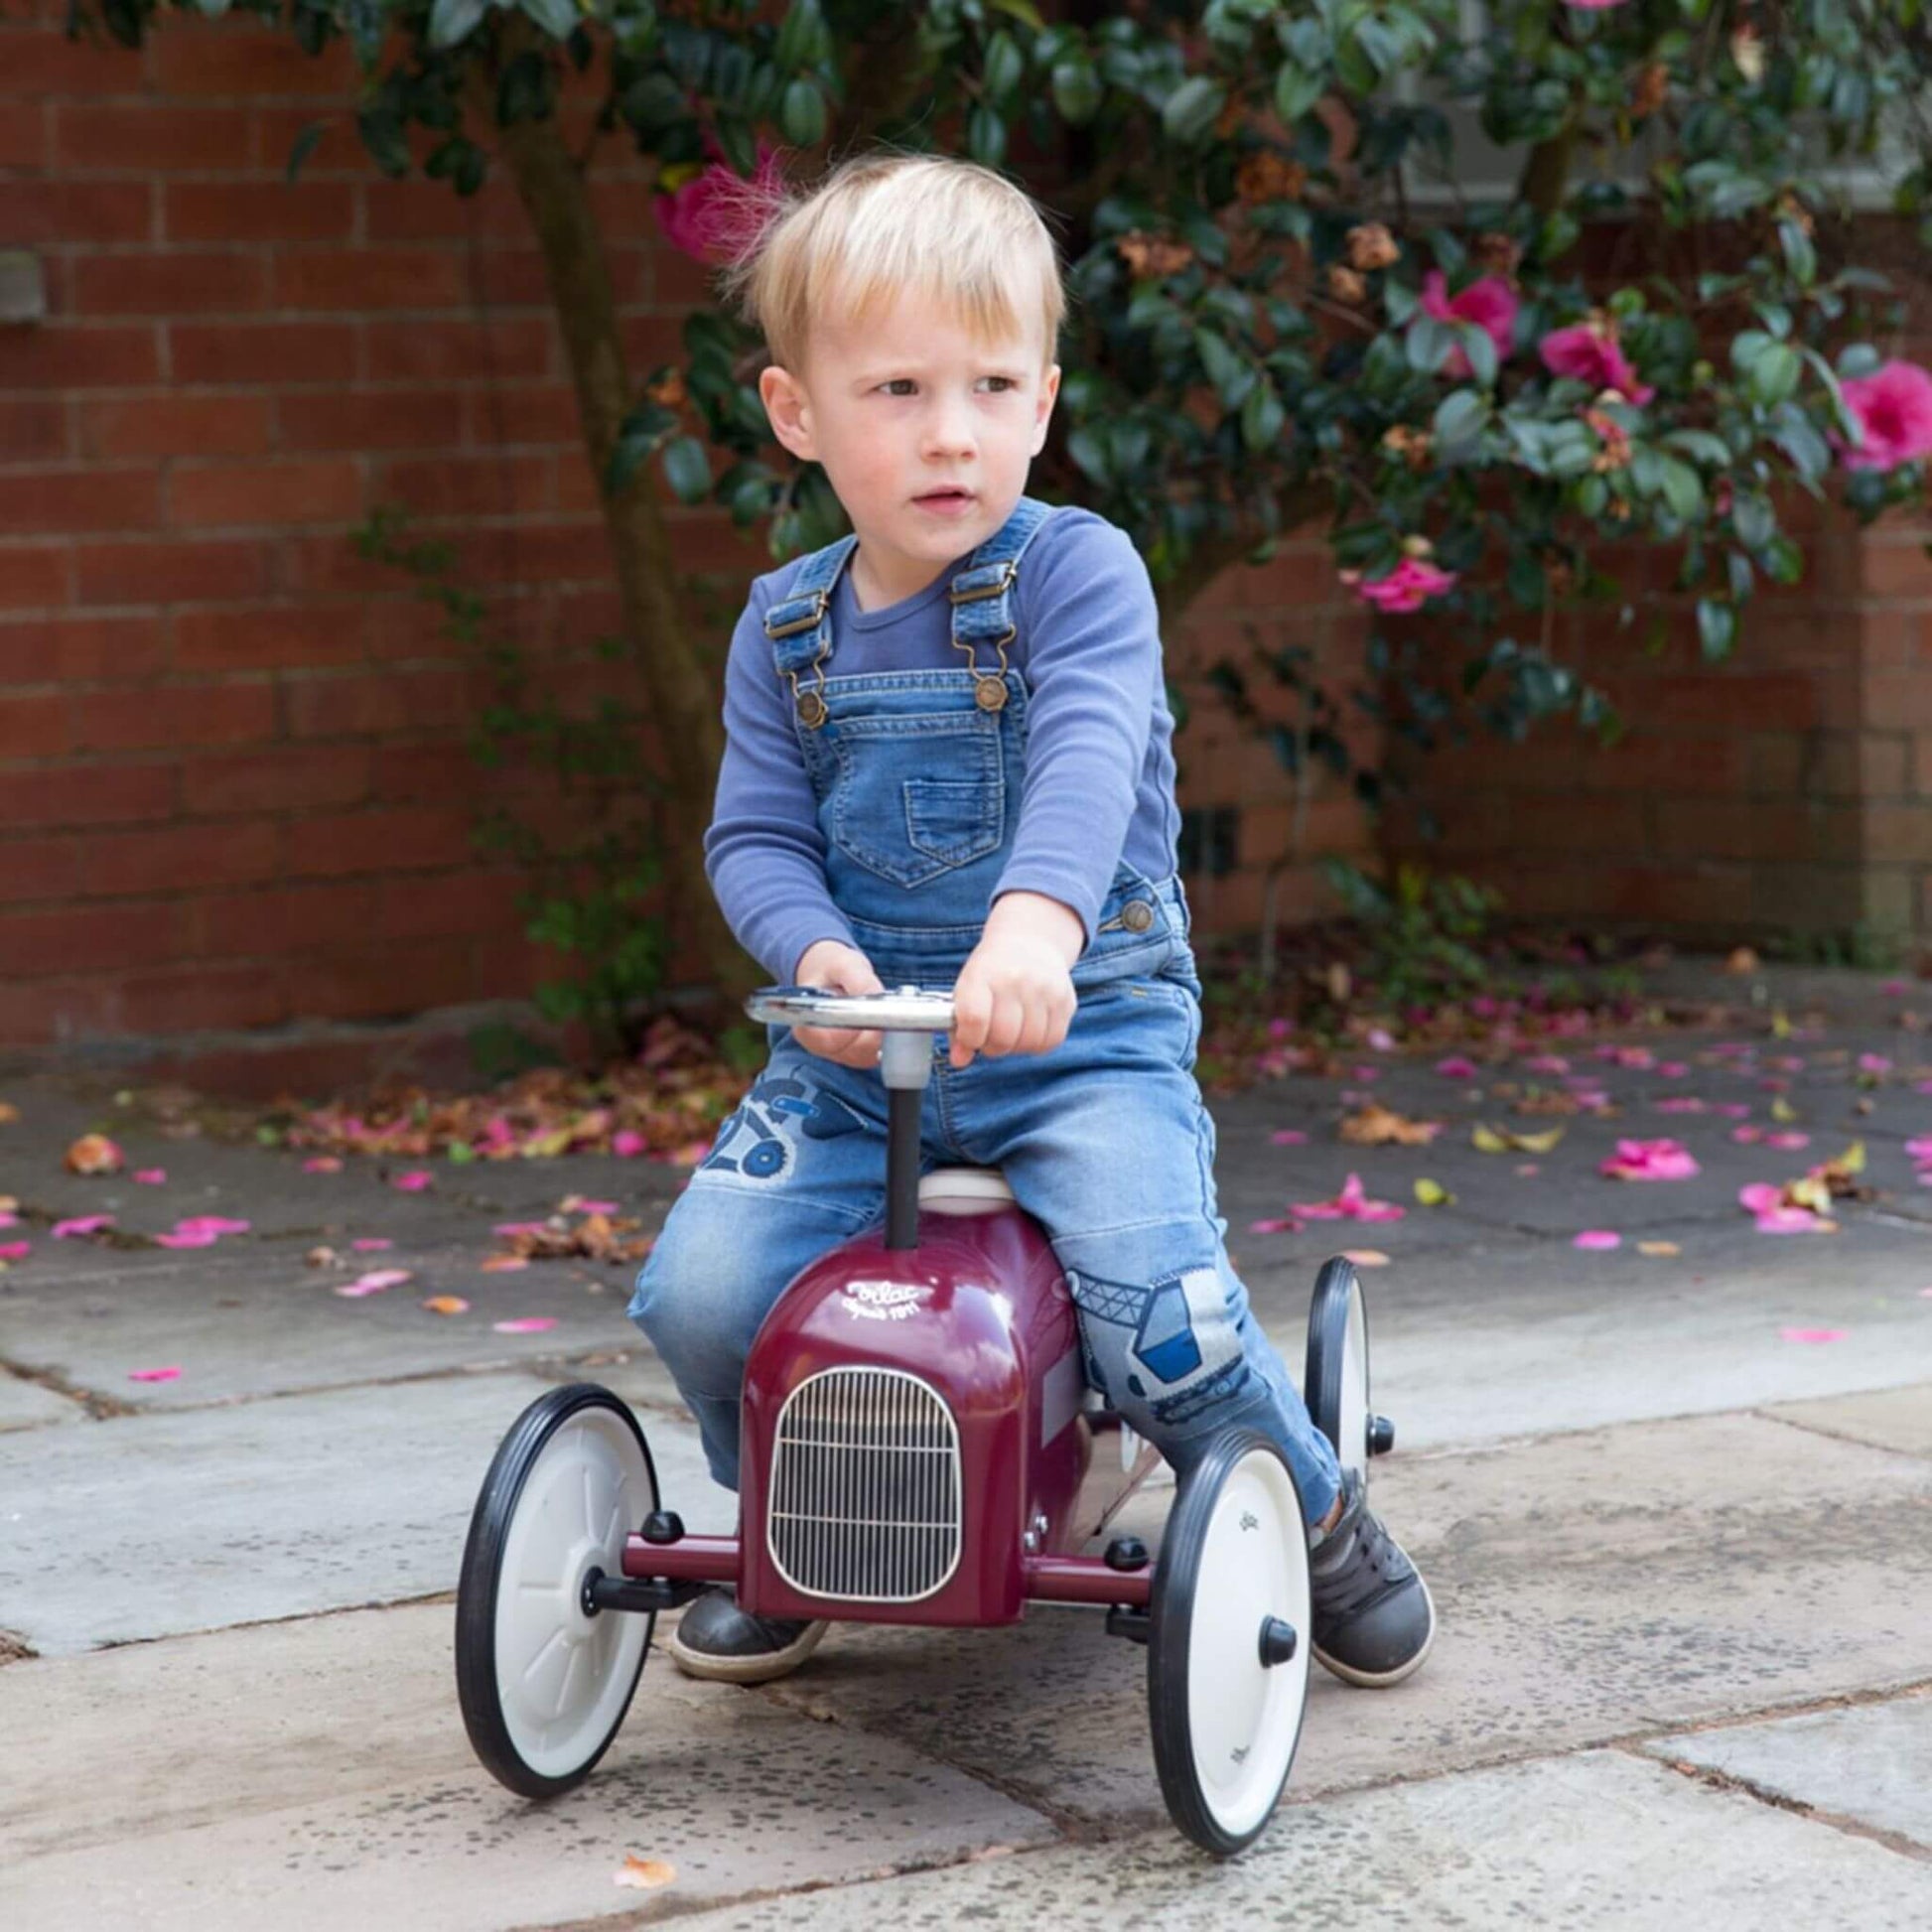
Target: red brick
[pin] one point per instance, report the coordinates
(493, 486)
(431, 211)
(391, 702)
(1894, 567)
(289, 778)
(528, 413)
(80, 650)
(408, 419)
(492, 348)
(148, 137)
(176, 425)
(412, 774)
(264, 493)
(380, 981)
(327, 565)
(64, 214)
(267, 637)
(32, 576)
(87, 794)
(201, 998)
(32, 427)
(43, 868)
(258, 211)
(74, 500)
(1899, 700)
(196, 58)
(179, 571)
(25, 137)
(290, 920)
(169, 285)
(173, 715)
(62, 355)
(404, 839)
(357, 279)
(87, 938)
(58, 1010)
(32, 726)
(283, 354)
(456, 905)
(178, 857)
(509, 278)
(337, 151)
(39, 60)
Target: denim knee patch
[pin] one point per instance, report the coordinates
(1168, 1347)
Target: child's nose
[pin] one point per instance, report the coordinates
(949, 432)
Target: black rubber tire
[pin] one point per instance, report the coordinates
(477, 1687)
(1335, 1287)
(1170, 1607)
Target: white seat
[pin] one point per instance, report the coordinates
(964, 1190)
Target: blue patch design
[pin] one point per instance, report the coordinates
(759, 1129)
(1166, 1342)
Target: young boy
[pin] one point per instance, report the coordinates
(947, 763)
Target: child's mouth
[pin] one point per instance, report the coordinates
(946, 503)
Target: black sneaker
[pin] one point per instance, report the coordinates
(1374, 1618)
(715, 1639)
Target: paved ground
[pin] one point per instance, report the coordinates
(1683, 1558)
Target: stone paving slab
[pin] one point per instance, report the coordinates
(313, 1776)
(26, 1405)
(1897, 1419)
(145, 1526)
(1588, 1586)
(1871, 1763)
(1601, 1843)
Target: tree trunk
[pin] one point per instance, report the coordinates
(683, 702)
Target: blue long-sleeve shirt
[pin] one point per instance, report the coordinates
(1100, 774)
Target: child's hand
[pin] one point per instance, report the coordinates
(832, 966)
(1015, 994)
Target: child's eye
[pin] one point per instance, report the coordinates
(1004, 381)
(900, 385)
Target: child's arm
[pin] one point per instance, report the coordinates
(1093, 667)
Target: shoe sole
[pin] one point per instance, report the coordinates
(761, 1669)
(1380, 1681)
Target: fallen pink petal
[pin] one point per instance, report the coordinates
(374, 1283)
(371, 1244)
(626, 1144)
(1650, 1160)
(154, 1375)
(1282, 1224)
(414, 1182)
(1812, 1334)
(82, 1224)
(1747, 1136)
(1288, 1137)
(15, 1250)
(323, 1164)
(151, 1177)
(1920, 1149)
(577, 1204)
(1456, 1067)
(1597, 1240)
(527, 1325)
(187, 1238)
(1787, 1143)
(1351, 1204)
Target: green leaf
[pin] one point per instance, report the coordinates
(986, 135)
(1799, 254)
(557, 17)
(1773, 373)
(1296, 89)
(799, 35)
(1228, 372)
(1188, 116)
(1458, 424)
(303, 146)
(1078, 89)
(1682, 489)
(450, 20)
(801, 114)
(1005, 66)
(1717, 629)
(687, 468)
(1261, 416)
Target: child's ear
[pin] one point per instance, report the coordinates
(789, 411)
(1050, 388)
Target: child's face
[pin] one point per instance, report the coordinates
(925, 432)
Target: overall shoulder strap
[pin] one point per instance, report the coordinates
(800, 624)
(982, 593)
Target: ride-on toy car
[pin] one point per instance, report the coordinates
(916, 1439)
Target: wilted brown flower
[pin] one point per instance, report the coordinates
(1747, 51)
(1157, 256)
(1496, 254)
(1791, 209)
(1653, 86)
(1372, 246)
(1345, 285)
(1411, 444)
(670, 393)
(1615, 453)
(1266, 176)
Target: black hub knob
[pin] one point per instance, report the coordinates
(1278, 1642)
(663, 1526)
(1126, 1553)
(1381, 1435)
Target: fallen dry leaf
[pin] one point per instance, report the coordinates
(94, 1154)
(9, 1113)
(1741, 960)
(323, 1258)
(1658, 1250)
(1379, 1126)
(447, 1304)
(1501, 1140)
(1365, 1257)
(645, 1875)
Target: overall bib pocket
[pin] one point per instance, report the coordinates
(891, 815)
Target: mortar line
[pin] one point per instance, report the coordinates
(1839, 1434)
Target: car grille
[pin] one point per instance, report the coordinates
(865, 1487)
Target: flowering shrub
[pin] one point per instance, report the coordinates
(1288, 313)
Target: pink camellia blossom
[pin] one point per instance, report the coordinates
(82, 1224)
(1351, 1204)
(717, 214)
(1766, 1204)
(1407, 587)
(1490, 303)
(1892, 407)
(1590, 352)
(1650, 1160)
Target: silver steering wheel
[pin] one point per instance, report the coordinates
(908, 1010)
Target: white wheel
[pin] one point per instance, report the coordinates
(1229, 1642)
(544, 1679)
(1336, 1384)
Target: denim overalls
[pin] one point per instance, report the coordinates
(917, 775)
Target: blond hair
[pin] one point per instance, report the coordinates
(886, 225)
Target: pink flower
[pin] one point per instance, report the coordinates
(1592, 352)
(1351, 1204)
(1892, 407)
(1456, 1067)
(718, 214)
(1873, 1063)
(82, 1224)
(1407, 587)
(1649, 1160)
(626, 1144)
(414, 1183)
(15, 1250)
(1920, 1149)
(1767, 1206)
(1490, 303)
(1598, 1240)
